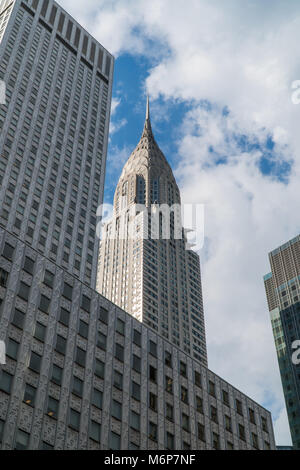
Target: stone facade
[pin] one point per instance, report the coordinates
(100, 378)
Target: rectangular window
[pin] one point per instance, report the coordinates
(101, 342)
(103, 315)
(239, 407)
(169, 384)
(199, 404)
(120, 328)
(83, 329)
(153, 374)
(44, 304)
(137, 338)
(99, 369)
(95, 431)
(53, 406)
(169, 412)
(80, 357)
(115, 441)
(3, 278)
(225, 398)
(170, 441)
(24, 291)
(68, 291)
(40, 332)
(49, 279)
(136, 391)
(153, 431)
(12, 349)
(212, 389)
(28, 265)
(242, 435)
(198, 380)
(8, 251)
(153, 348)
(22, 440)
(74, 420)
(61, 345)
(184, 395)
(86, 303)
(64, 316)
(136, 363)
(153, 401)
(168, 359)
(119, 352)
(116, 410)
(135, 421)
(216, 441)
(57, 373)
(214, 414)
(35, 362)
(97, 399)
(77, 387)
(252, 416)
(6, 382)
(201, 432)
(118, 380)
(183, 369)
(185, 422)
(228, 424)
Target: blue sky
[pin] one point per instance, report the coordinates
(220, 77)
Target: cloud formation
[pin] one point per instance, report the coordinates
(234, 63)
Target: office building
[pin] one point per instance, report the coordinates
(53, 132)
(150, 273)
(283, 294)
(83, 374)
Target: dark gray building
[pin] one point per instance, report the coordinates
(53, 132)
(283, 294)
(82, 373)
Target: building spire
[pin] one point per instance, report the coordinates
(147, 126)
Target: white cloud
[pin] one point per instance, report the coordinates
(242, 55)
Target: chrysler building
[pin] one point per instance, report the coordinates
(144, 266)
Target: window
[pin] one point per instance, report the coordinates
(216, 441)
(95, 431)
(169, 384)
(153, 348)
(6, 382)
(184, 395)
(199, 404)
(46, 446)
(85, 303)
(242, 432)
(115, 441)
(239, 407)
(228, 424)
(49, 279)
(83, 329)
(170, 441)
(152, 431)
(153, 401)
(64, 316)
(74, 421)
(185, 422)
(44, 304)
(3, 278)
(97, 399)
(136, 363)
(103, 315)
(230, 445)
(136, 391)
(252, 416)
(35, 362)
(57, 373)
(214, 414)
(12, 349)
(153, 374)
(40, 332)
(137, 338)
(118, 380)
(225, 398)
(168, 359)
(99, 369)
(198, 380)
(212, 389)
(119, 354)
(28, 265)
(24, 291)
(201, 432)
(18, 319)
(68, 291)
(8, 251)
(80, 357)
(61, 345)
(255, 441)
(264, 424)
(120, 327)
(22, 440)
(183, 369)
(52, 409)
(101, 342)
(169, 412)
(135, 421)
(77, 387)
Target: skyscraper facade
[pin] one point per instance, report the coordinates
(144, 267)
(283, 295)
(53, 132)
(81, 373)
